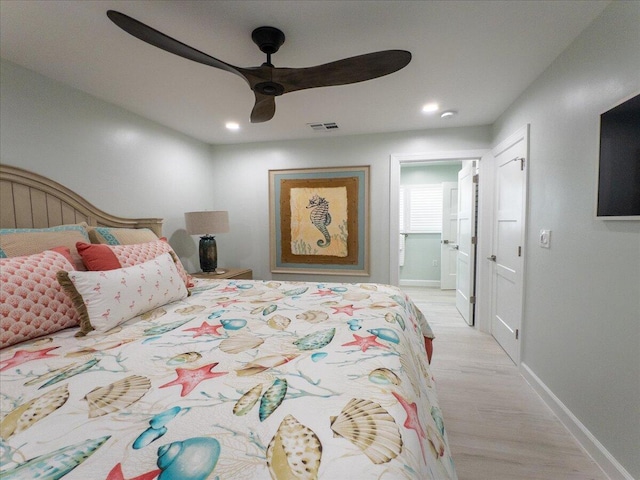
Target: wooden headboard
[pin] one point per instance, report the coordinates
(29, 200)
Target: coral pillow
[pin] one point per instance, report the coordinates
(98, 257)
(32, 302)
(106, 299)
(110, 257)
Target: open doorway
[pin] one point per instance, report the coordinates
(447, 248)
(428, 230)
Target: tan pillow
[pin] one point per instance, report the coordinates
(17, 242)
(121, 236)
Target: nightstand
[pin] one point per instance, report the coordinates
(235, 273)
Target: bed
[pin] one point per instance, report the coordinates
(231, 379)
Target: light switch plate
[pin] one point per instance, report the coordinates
(545, 239)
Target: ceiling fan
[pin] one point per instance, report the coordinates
(267, 81)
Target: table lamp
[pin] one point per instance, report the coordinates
(206, 224)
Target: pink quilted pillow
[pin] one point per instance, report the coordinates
(32, 302)
(109, 257)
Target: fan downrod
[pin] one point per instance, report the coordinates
(269, 40)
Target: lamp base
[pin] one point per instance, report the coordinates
(218, 271)
(208, 254)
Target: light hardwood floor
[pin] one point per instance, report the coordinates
(498, 427)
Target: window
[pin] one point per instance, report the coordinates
(421, 208)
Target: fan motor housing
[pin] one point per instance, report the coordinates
(269, 88)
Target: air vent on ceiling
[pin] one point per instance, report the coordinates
(323, 127)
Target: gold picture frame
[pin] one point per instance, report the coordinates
(318, 220)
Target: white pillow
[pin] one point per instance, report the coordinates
(107, 298)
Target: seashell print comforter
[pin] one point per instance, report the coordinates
(242, 380)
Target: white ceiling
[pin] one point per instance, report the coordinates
(472, 56)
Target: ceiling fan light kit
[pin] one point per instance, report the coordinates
(267, 81)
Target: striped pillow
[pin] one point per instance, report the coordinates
(121, 236)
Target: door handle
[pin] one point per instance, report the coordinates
(492, 258)
(445, 241)
(455, 247)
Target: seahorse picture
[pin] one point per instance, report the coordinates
(319, 221)
(321, 218)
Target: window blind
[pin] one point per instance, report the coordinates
(421, 208)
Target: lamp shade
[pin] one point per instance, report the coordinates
(206, 223)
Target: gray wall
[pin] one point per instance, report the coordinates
(243, 188)
(581, 325)
(130, 166)
(120, 162)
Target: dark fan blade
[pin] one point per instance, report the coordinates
(160, 40)
(342, 72)
(264, 109)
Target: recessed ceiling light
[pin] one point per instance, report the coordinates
(430, 107)
(448, 114)
(232, 126)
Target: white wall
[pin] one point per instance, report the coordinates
(243, 188)
(120, 162)
(581, 327)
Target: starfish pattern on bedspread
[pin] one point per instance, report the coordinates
(348, 309)
(23, 356)
(205, 329)
(365, 342)
(412, 421)
(116, 474)
(189, 378)
(226, 303)
(324, 293)
(228, 289)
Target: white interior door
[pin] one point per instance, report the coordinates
(466, 251)
(508, 242)
(449, 235)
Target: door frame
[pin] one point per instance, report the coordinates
(396, 160)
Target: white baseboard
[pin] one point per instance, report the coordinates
(420, 283)
(607, 462)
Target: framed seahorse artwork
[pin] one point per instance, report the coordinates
(319, 220)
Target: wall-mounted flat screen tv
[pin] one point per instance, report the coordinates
(619, 171)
